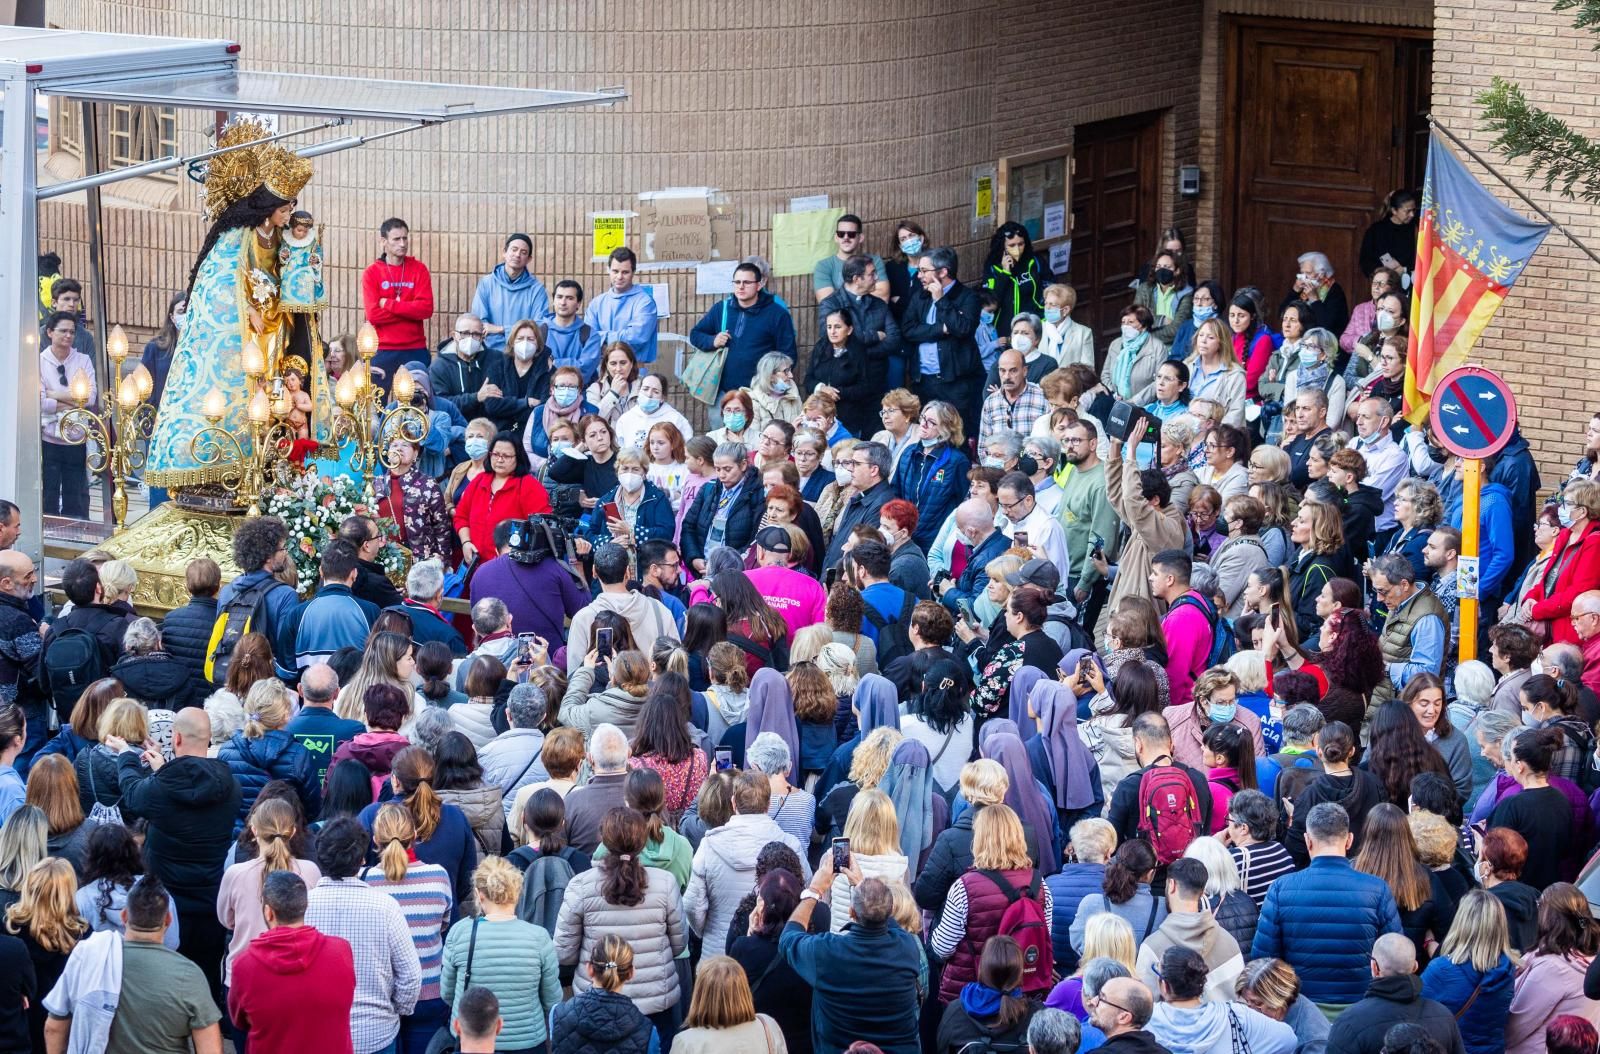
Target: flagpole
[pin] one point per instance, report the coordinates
(1434, 122)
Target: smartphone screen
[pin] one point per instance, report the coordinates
(841, 853)
(602, 642)
(724, 759)
(1098, 547)
(525, 646)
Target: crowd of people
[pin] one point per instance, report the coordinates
(921, 704)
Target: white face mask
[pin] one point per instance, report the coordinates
(1130, 332)
(1023, 343)
(630, 481)
(525, 349)
(843, 476)
(466, 347)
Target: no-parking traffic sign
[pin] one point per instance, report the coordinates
(1473, 412)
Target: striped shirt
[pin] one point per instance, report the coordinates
(425, 900)
(1259, 866)
(387, 971)
(795, 812)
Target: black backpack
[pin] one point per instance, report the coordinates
(73, 660)
(894, 635)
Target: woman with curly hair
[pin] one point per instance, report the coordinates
(111, 866)
(815, 705)
(1400, 749)
(1318, 534)
(868, 765)
(1353, 664)
(846, 610)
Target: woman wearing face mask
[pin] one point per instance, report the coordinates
(840, 368)
(616, 390)
(1389, 382)
(738, 420)
(1130, 368)
(1169, 298)
(644, 509)
(445, 424)
(1026, 333)
(523, 376)
(1312, 370)
(1546, 528)
(1064, 340)
(562, 405)
(592, 464)
(1216, 702)
(1388, 321)
(933, 474)
(651, 409)
(1575, 566)
(1015, 275)
(837, 494)
(1207, 300)
(480, 433)
(506, 492)
(1363, 319)
(411, 498)
(910, 239)
(773, 391)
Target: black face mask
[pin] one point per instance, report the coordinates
(1164, 276)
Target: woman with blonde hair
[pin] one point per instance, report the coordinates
(515, 960)
(83, 724)
(874, 832)
(836, 495)
(1318, 533)
(46, 919)
(1474, 975)
(1215, 373)
(774, 393)
(118, 580)
(53, 787)
(1000, 864)
(868, 765)
(272, 822)
(619, 895)
(389, 658)
(983, 783)
(96, 767)
(1271, 987)
(899, 410)
(263, 750)
(722, 1015)
(600, 1015)
(23, 838)
(444, 835)
(422, 892)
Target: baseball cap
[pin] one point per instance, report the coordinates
(1041, 573)
(773, 539)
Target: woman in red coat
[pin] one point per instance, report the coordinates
(506, 492)
(1574, 562)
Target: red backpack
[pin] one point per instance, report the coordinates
(1169, 812)
(1024, 922)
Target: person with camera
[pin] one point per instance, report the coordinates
(647, 617)
(1143, 501)
(529, 576)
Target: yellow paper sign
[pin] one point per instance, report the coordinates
(610, 232)
(800, 239)
(983, 206)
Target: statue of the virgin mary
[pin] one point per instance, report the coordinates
(233, 299)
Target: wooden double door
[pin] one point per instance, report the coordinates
(1324, 120)
(1115, 216)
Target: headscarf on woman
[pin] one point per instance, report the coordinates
(1022, 683)
(1071, 763)
(909, 784)
(1006, 747)
(877, 704)
(771, 710)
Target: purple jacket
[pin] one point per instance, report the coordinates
(537, 595)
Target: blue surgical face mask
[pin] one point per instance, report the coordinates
(649, 405)
(911, 246)
(565, 395)
(1564, 514)
(477, 447)
(986, 317)
(734, 422)
(780, 387)
(1221, 713)
(1529, 721)
(1308, 355)
(1205, 312)
(1052, 314)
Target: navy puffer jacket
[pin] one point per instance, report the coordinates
(1322, 921)
(1483, 1026)
(935, 481)
(599, 1022)
(275, 756)
(1067, 887)
(186, 635)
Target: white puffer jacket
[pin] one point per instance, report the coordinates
(654, 927)
(725, 870)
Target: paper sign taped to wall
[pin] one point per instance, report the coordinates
(810, 203)
(800, 239)
(1061, 257)
(610, 232)
(663, 298)
(685, 226)
(1055, 219)
(715, 278)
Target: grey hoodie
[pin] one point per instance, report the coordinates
(1208, 1029)
(647, 617)
(724, 871)
(586, 712)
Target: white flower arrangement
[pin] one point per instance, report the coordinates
(313, 508)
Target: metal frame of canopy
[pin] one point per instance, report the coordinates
(185, 74)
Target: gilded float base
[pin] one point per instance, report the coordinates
(160, 545)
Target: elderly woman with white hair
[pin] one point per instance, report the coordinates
(773, 392)
(1027, 340)
(151, 674)
(511, 760)
(1314, 284)
(1312, 368)
(1233, 909)
(793, 808)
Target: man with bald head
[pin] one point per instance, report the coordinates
(20, 647)
(1586, 623)
(1016, 403)
(1121, 1011)
(192, 803)
(316, 727)
(974, 526)
(1394, 997)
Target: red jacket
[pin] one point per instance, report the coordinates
(408, 289)
(292, 990)
(1578, 571)
(481, 509)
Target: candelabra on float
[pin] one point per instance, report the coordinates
(362, 419)
(249, 459)
(115, 436)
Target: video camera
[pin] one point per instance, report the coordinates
(537, 539)
(1123, 420)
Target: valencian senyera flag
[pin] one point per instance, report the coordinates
(1470, 251)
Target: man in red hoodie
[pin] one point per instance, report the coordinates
(397, 296)
(292, 987)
